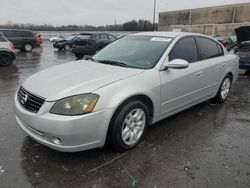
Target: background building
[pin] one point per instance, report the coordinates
(219, 20)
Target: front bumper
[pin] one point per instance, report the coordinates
(76, 133)
(56, 45)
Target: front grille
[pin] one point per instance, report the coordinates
(29, 101)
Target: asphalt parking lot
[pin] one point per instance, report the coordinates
(205, 146)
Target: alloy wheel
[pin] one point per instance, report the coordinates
(133, 126)
(225, 88)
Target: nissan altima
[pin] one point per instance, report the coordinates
(113, 96)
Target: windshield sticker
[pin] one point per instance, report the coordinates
(160, 39)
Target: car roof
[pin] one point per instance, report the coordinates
(15, 30)
(93, 33)
(165, 34)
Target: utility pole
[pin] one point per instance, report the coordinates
(154, 15)
(115, 29)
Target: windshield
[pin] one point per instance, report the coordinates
(70, 37)
(135, 51)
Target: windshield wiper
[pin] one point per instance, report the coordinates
(112, 62)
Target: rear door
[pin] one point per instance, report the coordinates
(213, 63)
(85, 43)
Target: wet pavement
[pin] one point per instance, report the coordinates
(205, 146)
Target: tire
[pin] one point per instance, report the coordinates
(126, 130)
(224, 90)
(79, 56)
(6, 59)
(67, 47)
(27, 47)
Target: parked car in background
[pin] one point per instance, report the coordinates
(24, 40)
(6, 51)
(90, 43)
(66, 43)
(242, 48)
(58, 38)
(225, 41)
(116, 94)
(61, 38)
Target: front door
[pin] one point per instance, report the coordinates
(180, 88)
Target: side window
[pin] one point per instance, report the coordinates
(93, 36)
(18, 33)
(103, 37)
(2, 38)
(185, 49)
(8, 33)
(208, 48)
(111, 37)
(83, 37)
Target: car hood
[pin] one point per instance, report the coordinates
(74, 78)
(243, 33)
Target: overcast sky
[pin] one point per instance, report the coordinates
(93, 12)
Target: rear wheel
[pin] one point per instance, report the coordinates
(129, 126)
(224, 90)
(6, 59)
(27, 47)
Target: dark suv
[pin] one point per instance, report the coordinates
(242, 48)
(89, 43)
(23, 40)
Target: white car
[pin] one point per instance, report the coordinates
(57, 38)
(130, 84)
(7, 54)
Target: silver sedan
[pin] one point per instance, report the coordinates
(112, 97)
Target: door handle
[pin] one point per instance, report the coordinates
(224, 64)
(199, 74)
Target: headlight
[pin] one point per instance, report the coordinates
(75, 105)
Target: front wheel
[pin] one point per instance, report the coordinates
(67, 47)
(129, 126)
(5, 59)
(224, 90)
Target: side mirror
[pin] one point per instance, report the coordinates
(175, 64)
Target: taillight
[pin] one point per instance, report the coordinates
(12, 46)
